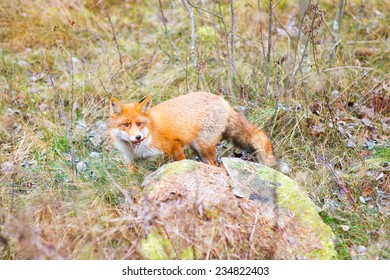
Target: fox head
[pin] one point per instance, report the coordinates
(129, 122)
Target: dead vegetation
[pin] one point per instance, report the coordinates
(329, 118)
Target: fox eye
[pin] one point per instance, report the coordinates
(139, 123)
(126, 124)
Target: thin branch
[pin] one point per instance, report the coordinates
(116, 42)
(326, 97)
(295, 71)
(231, 72)
(285, 30)
(261, 31)
(178, 57)
(302, 14)
(190, 11)
(170, 240)
(12, 155)
(336, 30)
(322, 159)
(252, 234)
(204, 10)
(72, 79)
(337, 179)
(62, 113)
(228, 55)
(352, 67)
(268, 61)
(104, 88)
(119, 188)
(233, 28)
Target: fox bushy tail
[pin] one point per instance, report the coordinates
(248, 137)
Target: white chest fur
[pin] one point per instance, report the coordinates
(130, 151)
(144, 150)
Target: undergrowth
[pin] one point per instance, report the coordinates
(329, 120)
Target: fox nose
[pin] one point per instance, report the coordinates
(138, 137)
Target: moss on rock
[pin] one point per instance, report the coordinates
(253, 212)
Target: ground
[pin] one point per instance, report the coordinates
(323, 100)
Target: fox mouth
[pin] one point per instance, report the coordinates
(137, 141)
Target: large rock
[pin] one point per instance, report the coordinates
(198, 211)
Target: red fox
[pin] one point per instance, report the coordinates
(198, 120)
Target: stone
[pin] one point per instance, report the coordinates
(94, 155)
(242, 211)
(81, 166)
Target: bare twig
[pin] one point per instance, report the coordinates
(337, 179)
(170, 240)
(261, 32)
(186, 70)
(285, 30)
(185, 238)
(327, 27)
(326, 97)
(231, 69)
(268, 61)
(336, 30)
(15, 166)
(178, 57)
(251, 236)
(302, 15)
(327, 101)
(228, 55)
(190, 11)
(233, 28)
(72, 81)
(204, 10)
(104, 88)
(303, 4)
(370, 42)
(337, 22)
(352, 67)
(62, 113)
(119, 188)
(116, 42)
(309, 35)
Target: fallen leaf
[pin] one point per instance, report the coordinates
(365, 112)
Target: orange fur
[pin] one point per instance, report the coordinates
(197, 120)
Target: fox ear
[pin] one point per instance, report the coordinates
(115, 107)
(145, 104)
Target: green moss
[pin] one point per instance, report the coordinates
(291, 197)
(170, 169)
(152, 248)
(156, 247)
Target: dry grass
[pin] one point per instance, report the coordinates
(335, 115)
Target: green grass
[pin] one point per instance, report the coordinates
(82, 215)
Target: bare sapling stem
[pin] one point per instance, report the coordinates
(336, 31)
(190, 11)
(116, 42)
(228, 55)
(303, 10)
(232, 40)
